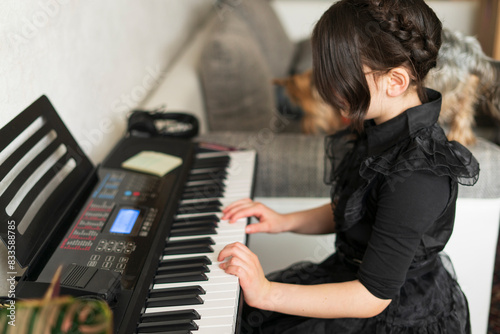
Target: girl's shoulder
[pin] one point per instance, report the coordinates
(427, 150)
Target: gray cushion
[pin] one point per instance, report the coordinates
(236, 79)
(289, 165)
(302, 60)
(488, 185)
(276, 46)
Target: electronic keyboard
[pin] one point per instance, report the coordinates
(146, 244)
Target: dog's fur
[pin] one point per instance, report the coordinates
(466, 77)
(468, 80)
(318, 116)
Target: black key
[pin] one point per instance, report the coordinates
(186, 331)
(202, 177)
(191, 242)
(188, 249)
(198, 209)
(204, 183)
(198, 218)
(196, 195)
(208, 170)
(171, 325)
(182, 232)
(194, 259)
(205, 191)
(192, 299)
(185, 290)
(170, 315)
(202, 201)
(211, 162)
(179, 278)
(214, 171)
(204, 186)
(182, 268)
(206, 223)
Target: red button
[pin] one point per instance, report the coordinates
(136, 193)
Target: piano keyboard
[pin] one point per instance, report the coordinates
(190, 293)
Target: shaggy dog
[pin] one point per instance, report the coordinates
(468, 80)
(466, 77)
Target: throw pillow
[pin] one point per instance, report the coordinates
(277, 48)
(236, 79)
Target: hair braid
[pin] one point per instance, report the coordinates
(421, 46)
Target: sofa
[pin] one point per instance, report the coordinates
(223, 75)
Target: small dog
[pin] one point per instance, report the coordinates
(466, 77)
(469, 82)
(317, 115)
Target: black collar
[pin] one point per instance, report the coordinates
(381, 137)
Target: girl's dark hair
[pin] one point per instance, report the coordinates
(381, 34)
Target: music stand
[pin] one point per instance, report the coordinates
(42, 172)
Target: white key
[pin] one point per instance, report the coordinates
(212, 280)
(216, 325)
(214, 287)
(208, 305)
(225, 238)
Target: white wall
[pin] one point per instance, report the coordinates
(299, 17)
(95, 60)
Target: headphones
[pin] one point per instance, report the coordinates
(143, 123)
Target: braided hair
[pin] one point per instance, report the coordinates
(380, 34)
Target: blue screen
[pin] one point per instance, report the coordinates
(124, 221)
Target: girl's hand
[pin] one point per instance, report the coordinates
(246, 266)
(269, 221)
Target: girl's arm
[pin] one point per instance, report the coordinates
(313, 221)
(332, 300)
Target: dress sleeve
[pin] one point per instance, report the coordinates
(406, 208)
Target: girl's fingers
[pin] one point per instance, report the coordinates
(252, 209)
(240, 271)
(246, 266)
(247, 208)
(243, 263)
(235, 204)
(234, 262)
(257, 228)
(230, 214)
(235, 207)
(236, 249)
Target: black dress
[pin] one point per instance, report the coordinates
(394, 189)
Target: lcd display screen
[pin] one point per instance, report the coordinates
(125, 221)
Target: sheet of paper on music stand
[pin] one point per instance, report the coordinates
(151, 162)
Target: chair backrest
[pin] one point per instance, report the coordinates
(42, 169)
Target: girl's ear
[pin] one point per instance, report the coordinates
(399, 80)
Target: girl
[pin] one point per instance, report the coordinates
(394, 187)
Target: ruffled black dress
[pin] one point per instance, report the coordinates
(394, 189)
